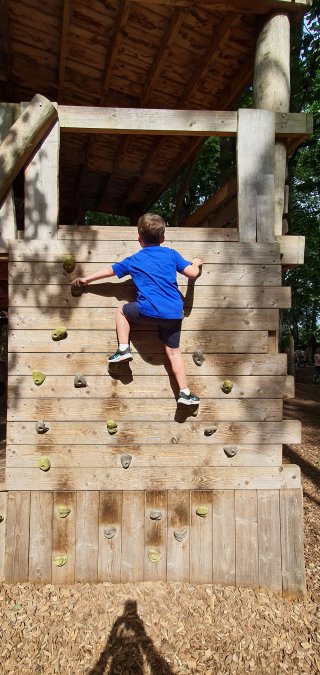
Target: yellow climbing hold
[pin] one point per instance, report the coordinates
(59, 333)
(38, 377)
(154, 555)
(69, 263)
(63, 511)
(44, 463)
(202, 510)
(60, 560)
(227, 386)
(112, 427)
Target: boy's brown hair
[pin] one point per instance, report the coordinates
(151, 228)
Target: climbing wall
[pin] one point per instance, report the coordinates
(167, 481)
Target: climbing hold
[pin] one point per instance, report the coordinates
(112, 427)
(60, 560)
(126, 461)
(227, 386)
(69, 263)
(154, 555)
(195, 412)
(38, 377)
(63, 511)
(76, 291)
(59, 333)
(198, 358)
(80, 381)
(230, 450)
(41, 427)
(202, 511)
(209, 432)
(1, 518)
(155, 515)
(109, 531)
(44, 463)
(180, 534)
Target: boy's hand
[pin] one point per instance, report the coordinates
(197, 261)
(79, 281)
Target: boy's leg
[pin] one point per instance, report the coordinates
(169, 333)
(177, 364)
(123, 352)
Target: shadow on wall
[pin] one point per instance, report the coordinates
(129, 648)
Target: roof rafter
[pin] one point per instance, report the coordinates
(66, 19)
(261, 7)
(5, 25)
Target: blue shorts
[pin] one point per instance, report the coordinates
(169, 329)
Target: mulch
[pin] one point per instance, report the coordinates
(176, 629)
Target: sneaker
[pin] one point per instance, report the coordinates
(188, 399)
(120, 356)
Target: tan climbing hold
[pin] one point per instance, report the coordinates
(38, 377)
(110, 531)
(60, 560)
(210, 430)
(69, 263)
(44, 463)
(126, 461)
(227, 386)
(230, 450)
(154, 555)
(155, 515)
(63, 511)
(59, 333)
(202, 510)
(79, 381)
(180, 534)
(198, 358)
(41, 427)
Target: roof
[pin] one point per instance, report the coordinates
(169, 54)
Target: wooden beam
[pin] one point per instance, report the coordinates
(7, 210)
(66, 18)
(7, 57)
(210, 205)
(242, 6)
(122, 16)
(23, 138)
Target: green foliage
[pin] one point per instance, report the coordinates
(98, 218)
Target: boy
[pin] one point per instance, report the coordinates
(159, 303)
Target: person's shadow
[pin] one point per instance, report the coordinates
(129, 647)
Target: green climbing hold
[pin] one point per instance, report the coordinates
(202, 511)
(59, 333)
(63, 511)
(112, 427)
(154, 555)
(60, 560)
(227, 386)
(44, 463)
(38, 377)
(69, 263)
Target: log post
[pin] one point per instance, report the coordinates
(271, 90)
(7, 210)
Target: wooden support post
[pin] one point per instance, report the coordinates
(7, 210)
(271, 88)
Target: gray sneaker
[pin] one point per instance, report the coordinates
(120, 356)
(188, 399)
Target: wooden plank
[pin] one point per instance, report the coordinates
(41, 190)
(84, 341)
(178, 546)
(155, 478)
(244, 6)
(155, 536)
(224, 539)
(219, 198)
(246, 519)
(110, 515)
(143, 456)
(40, 550)
(132, 556)
(286, 431)
(255, 160)
(201, 538)
(86, 567)
(107, 252)
(3, 523)
(119, 233)
(107, 295)
(140, 387)
(269, 541)
(291, 518)
(52, 273)
(7, 210)
(136, 409)
(64, 535)
(16, 564)
(95, 363)
(103, 319)
(291, 250)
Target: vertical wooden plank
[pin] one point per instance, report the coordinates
(224, 538)
(178, 547)
(41, 202)
(246, 517)
(40, 548)
(155, 536)
(269, 544)
(201, 538)
(132, 536)
(109, 558)
(63, 543)
(291, 518)
(255, 158)
(3, 521)
(7, 210)
(17, 537)
(87, 519)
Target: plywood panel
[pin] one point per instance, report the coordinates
(291, 519)
(178, 549)
(246, 521)
(155, 536)
(132, 558)
(17, 537)
(269, 543)
(224, 538)
(3, 523)
(86, 567)
(40, 550)
(110, 515)
(201, 538)
(64, 535)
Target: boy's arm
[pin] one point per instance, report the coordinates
(194, 270)
(101, 274)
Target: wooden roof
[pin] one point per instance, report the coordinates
(140, 53)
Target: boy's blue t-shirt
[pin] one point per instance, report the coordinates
(154, 273)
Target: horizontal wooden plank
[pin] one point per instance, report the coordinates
(162, 433)
(110, 295)
(150, 364)
(291, 250)
(64, 456)
(155, 478)
(148, 387)
(99, 318)
(27, 409)
(103, 252)
(120, 233)
(214, 342)
(49, 274)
